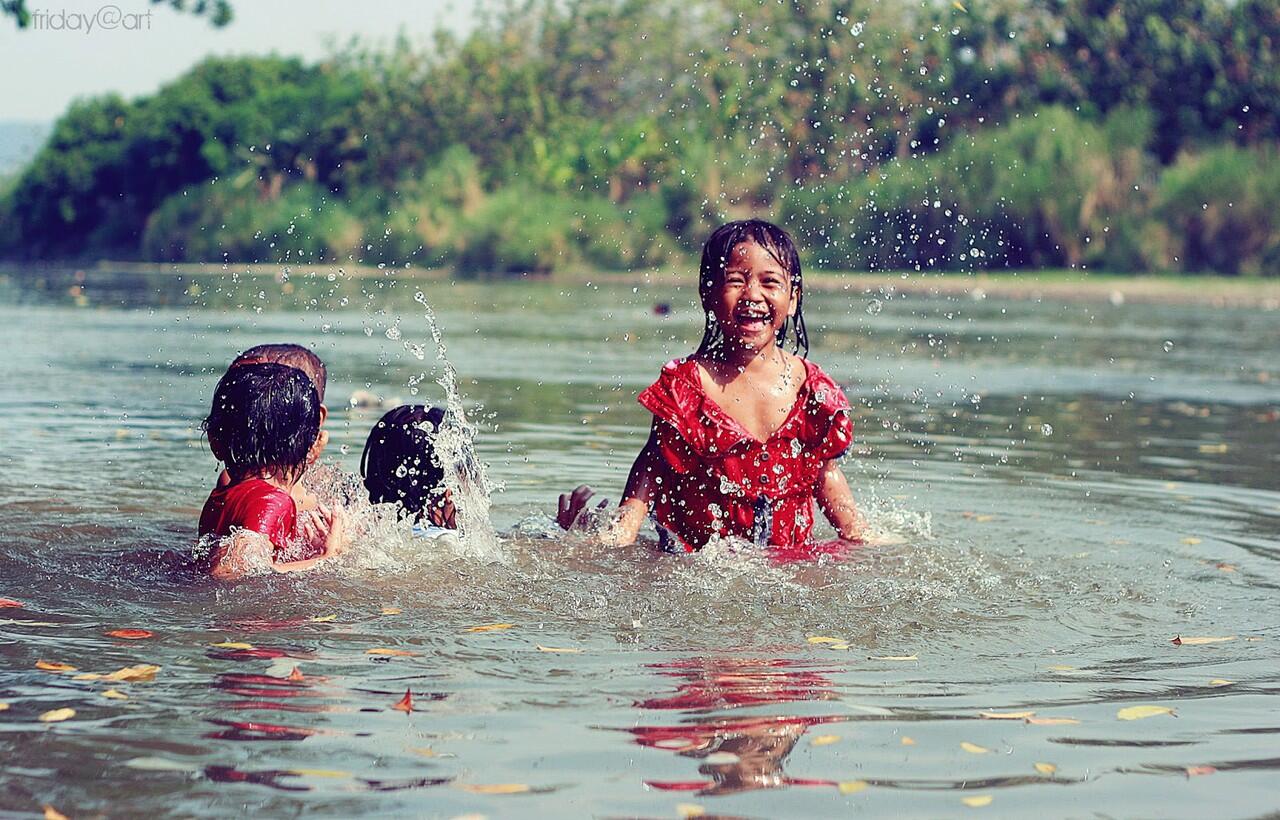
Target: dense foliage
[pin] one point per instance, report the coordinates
(1126, 134)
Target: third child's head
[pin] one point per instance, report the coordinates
(400, 465)
(265, 419)
(751, 289)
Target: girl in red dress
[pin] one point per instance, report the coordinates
(264, 425)
(746, 435)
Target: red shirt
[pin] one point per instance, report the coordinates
(717, 479)
(254, 504)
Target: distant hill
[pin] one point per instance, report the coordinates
(19, 142)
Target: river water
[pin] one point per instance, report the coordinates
(1073, 485)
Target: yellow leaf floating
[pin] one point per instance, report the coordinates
(323, 619)
(50, 813)
(114, 695)
(851, 786)
(1181, 641)
(1220, 682)
(1191, 542)
(391, 610)
(1046, 768)
(333, 773)
(824, 740)
(139, 672)
(1144, 711)
(3, 706)
(233, 645)
(907, 741)
(394, 653)
(488, 628)
(973, 748)
(1052, 721)
(690, 810)
(977, 801)
(494, 788)
(57, 715)
(1006, 715)
(54, 666)
(824, 639)
(559, 649)
(894, 658)
(959, 6)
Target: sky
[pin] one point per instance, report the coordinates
(42, 68)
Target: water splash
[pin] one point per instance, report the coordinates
(464, 474)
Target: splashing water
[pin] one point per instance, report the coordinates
(464, 473)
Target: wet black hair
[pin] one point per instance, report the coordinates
(291, 354)
(715, 256)
(264, 417)
(400, 464)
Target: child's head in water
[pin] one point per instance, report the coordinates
(750, 285)
(400, 465)
(265, 419)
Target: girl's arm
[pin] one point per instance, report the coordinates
(836, 500)
(637, 498)
(244, 551)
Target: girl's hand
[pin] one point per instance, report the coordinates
(573, 506)
(332, 530)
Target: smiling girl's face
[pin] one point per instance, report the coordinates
(753, 298)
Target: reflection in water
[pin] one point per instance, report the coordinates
(738, 754)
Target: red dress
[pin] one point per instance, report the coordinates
(715, 478)
(254, 504)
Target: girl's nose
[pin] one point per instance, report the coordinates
(753, 291)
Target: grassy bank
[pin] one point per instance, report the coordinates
(1048, 285)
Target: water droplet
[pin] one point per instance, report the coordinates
(874, 307)
(393, 333)
(1168, 346)
(1046, 429)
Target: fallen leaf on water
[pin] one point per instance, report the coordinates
(334, 773)
(1214, 448)
(1052, 721)
(959, 6)
(907, 741)
(1046, 768)
(894, 658)
(138, 672)
(973, 748)
(391, 610)
(977, 801)
(396, 653)
(114, 695)
(130, 634)
(494, 788)
(1060, 667)
(57, 715)
(7, 603)
(1226, 567)
(323, 619)
(88, 676)
(488, 627)
(824, 740)
(1144, 711)
(563, 650)
(424, 751)
(54, 666)
(296, 674)
(837, 646)
(50, 813)
(3, 706)
(1005, 715)
(1196, 771)
(851, 786)
(824, 639)
(1191, 541)
(1220, 682)
(233, 645)
(1181, 641)
(690, 810)
(405, 704)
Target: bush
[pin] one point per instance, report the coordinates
(1222, 211)
(219, 221)
(1043, 191)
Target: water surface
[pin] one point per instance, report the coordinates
(1074, 485)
